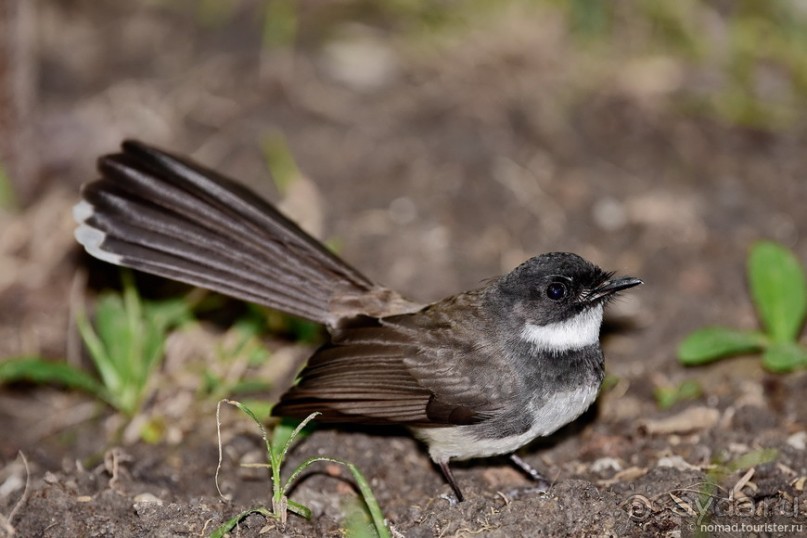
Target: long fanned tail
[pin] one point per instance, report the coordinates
(166, 215)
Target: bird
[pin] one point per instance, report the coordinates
(478, 374)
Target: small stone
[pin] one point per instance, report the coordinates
(798, 440)
(148, 498)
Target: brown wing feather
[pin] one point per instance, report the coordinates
(360, 377)
(396, 370)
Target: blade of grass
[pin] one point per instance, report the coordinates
(131, 363)
(110, 327)
(369, 499)
(249, 413)
(99, 355)
(233, 522)
(37, 370)
(287, 444)
(364, 488)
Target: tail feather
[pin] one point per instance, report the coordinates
(168, 216)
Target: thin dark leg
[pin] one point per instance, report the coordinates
(530, 471)
(450, 478)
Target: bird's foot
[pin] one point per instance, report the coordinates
(542, 484)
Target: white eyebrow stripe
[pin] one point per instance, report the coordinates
(578, 332)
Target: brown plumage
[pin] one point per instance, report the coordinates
(477, 374)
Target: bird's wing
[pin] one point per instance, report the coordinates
(400, 370)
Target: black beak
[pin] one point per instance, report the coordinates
(611, 286)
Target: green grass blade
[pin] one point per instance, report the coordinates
(779, 289)
(712, 343)
(784, 357)
(255, 419)
(273, 462)
(290, 441)
(100, 356)
(299, 509)
(119, 342)
(233, 522)
(369, 499)
(364, 488)
(357, 523)
(303, 466)
(111, 326)
(132, 359)
(38, 370)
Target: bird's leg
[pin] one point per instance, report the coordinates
(530, 471)
(450, 478)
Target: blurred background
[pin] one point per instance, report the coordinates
(432, 143)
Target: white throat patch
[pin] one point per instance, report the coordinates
(575, 333)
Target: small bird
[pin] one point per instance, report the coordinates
(477, 374)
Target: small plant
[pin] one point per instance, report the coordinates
(283, 438)
(125, 345)
(779, 290)
(710, 490)
(667, 396)
(240, 349)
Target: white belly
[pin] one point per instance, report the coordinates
(460, 443)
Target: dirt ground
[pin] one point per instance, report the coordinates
(432, 163)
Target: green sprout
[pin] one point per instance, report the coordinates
(125, 344)
(240, 349)
(779, 289)
(283, 438)
(668, 396)
(7, 198)
(719, 471)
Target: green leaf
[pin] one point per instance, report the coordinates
(752, 459)
(712, 343)
(779, 290)
(784, 356)
(38, 370)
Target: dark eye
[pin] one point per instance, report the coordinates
(556, 291)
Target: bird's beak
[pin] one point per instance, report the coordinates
(611, 286)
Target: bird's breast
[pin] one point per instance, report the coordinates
(496, 436)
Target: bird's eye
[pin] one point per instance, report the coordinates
(556, 291)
